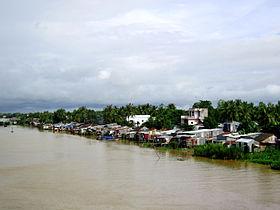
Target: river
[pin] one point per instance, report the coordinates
(44, 170)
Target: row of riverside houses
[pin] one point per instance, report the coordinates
(225, 134)
(4, 121)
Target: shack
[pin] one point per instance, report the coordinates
(247, 145)
(266, 140)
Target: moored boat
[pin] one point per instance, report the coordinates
(108, 137)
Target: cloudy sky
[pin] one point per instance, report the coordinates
(66, 53)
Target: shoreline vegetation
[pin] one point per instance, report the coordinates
(261, 118)
(252, 118)
(269, 156)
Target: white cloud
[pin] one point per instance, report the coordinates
(104, 75)
(273, 89)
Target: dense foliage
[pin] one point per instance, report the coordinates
(271, 156)
(268, 157)
(218, 151)
(253, 118)
(165, 117)
(81, 115)
(263, 117)
(161, 116)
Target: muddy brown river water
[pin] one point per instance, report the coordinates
(43, 170)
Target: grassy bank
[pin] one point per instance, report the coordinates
(217, 151)
(268, 157)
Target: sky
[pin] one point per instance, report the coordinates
(68, 53)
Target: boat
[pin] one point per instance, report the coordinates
(108, 137)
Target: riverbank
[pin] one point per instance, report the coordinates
(179, 152)
(269, 156)
(212, 151)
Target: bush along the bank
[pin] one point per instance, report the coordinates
(275, 165)
(218, 151)
(268, 157)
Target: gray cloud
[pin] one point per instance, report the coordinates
(65, 53)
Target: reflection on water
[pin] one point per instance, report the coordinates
(43, 170)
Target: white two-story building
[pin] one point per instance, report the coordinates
(195, 116)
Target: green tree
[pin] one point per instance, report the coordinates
(46, 117)
(84, 115)
(59, 116)
(210, 122)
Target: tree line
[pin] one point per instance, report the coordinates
(252, 117)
